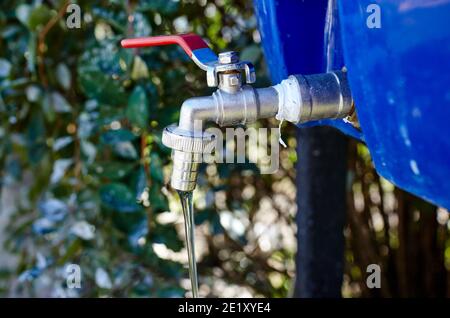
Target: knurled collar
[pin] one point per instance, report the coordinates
(188, 141)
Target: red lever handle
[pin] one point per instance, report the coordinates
(192, 44)
(189, 42)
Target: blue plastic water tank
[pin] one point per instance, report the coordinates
(399, 76)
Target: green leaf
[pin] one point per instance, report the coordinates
(172, 292)
(70, 252)
(63, 75)
(47, 107)
(120, 140)
(139, 231)
(5, 68)
(89, 150)
(39, 15)
(33, 93)
(102, 87)
(99, 73)
(140, 182)
(36, 138)
(128, 222)
(167, 235)
(112, 170)
(59, 169)
(158, 201)
(118, 197)
(31, 47)
(126, 150)
(55, 103)
(138, 108)
(59, 103)
(23, 12)
(156, 167)
(87, 124)
(111, 137)
(140, 69)
(61, 142)
(203, 216)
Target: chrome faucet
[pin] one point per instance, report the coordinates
(297, 99)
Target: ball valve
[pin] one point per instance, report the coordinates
(298, 99)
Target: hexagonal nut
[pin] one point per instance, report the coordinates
(228, 57)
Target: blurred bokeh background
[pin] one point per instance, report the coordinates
(83, 172)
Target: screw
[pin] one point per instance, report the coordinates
(228, 57)
(234, 80)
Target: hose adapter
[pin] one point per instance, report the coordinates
(188, 148)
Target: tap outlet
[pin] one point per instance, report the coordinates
(188, 147)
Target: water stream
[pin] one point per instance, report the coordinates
(189, 225)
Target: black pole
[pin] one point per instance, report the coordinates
(321, 194)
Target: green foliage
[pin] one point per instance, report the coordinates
(138, 108)
(81, 122)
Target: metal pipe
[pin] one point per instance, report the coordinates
(197, 109)
(227, 109)
(306, 98)
(267, 99)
